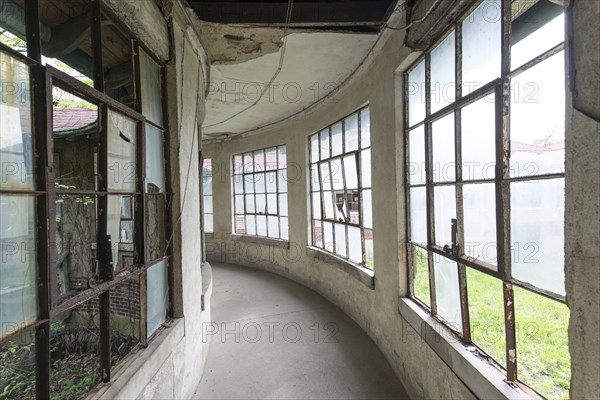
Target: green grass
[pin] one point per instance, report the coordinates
(543, 360)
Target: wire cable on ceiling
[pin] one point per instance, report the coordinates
(415, 21)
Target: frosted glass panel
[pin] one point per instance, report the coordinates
(18, 290)
(445, 210)
(208, 223)
(340, 239)
(365, 166)
(418, 215)
(16, 151)
(157, 296)
(283, 226)
(416, 94)
(121, 152)
(537, 121)
(354, 244)
(250, 225)
(444, 166)
(416, 154)
(482, 32)
(479, 140)
(261, 225)
(443, 84)
(273, 223)
(316, 205)
(351, 172)
(367, 209)
(351, 131)
(541, 40)
(272, 203)
(155, 160)
(537, 229)
(239, 204)
(261, 203)
(250, 206)
(283, 204)
(208, 204)
(151, 89)
(325, 144)
(365, 128)
(336, 139)
(447, 292)
(479, 205)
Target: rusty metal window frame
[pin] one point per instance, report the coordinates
(246, 171)
(50, 304)
(317, 186)
(501, 89)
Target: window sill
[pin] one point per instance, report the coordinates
(261, 240)
(362, 274)
(481, 377)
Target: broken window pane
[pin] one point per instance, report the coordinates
(443, 85)
(117, 55)
(418, 215)
(351, 132)
(447, 292)
(479, 205)
(121, 152)
(445, 211)
(416, 94)
(155, 160)
(537, 122)
(18, 270)
(12, 28)
(16, 152)
(478, 130)
(416, 154)
(481, 40)
(537, 233)
(420, 269)
(157, 296)
(150, 78)
(444, 166)
(121, 224)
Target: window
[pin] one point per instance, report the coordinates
(340, 164)
(484, 130)
(260, 193)
(207, 178)
(83, 189)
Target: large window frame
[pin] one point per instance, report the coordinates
(50, 303)
(454, 250)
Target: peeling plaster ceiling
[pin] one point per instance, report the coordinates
(244, 60)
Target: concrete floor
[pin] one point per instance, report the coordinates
(273, 338)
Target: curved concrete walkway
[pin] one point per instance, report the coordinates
(273, 338)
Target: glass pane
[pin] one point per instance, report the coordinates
(208, 204)
(368, 235)
(272, 203)
(367, 210)
(283, 205)
(482, 33)
(544, 38)
(317, 238)
(351, 172)
(314, 148)
(118, 66)
(443, 84)
(340, 239)
(316, 205)
(155, 160)
(418, 215)
(259, 183)
(18, 276)
(416, 94)
(416, 155)
(239, 204)
(420, 268)
(249, 183)
(365, 128)
(325, 144)
(250, 208)
(208, 223)
(240, 224)
(445, 211)
(444, 166)
(238, 164)
(537, 229)
(282, 180)
(283, 227)
(337, 174)
(261, 203)
(328, 236)
(479, 205)
(259, 160)
(478, 130)
(365, 166)
(351, 132)
(354, 244)
(271, 159)
(337, 145)
(314, 177)
(486, 309)
(271, 181)
(12, 28)
(121, 152)
(157, 296)
(273, 223)
(15, 125)
(537, 120)
(325, 175)
(447, 292)
(207, 177)
(156, 217)
(353, 204)
(248, 163)
(238, 181)
(543, 344)
(328, 205)
(261, 225)
(282, 157)
(151, 89)
(121, 229)
(250, 225)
